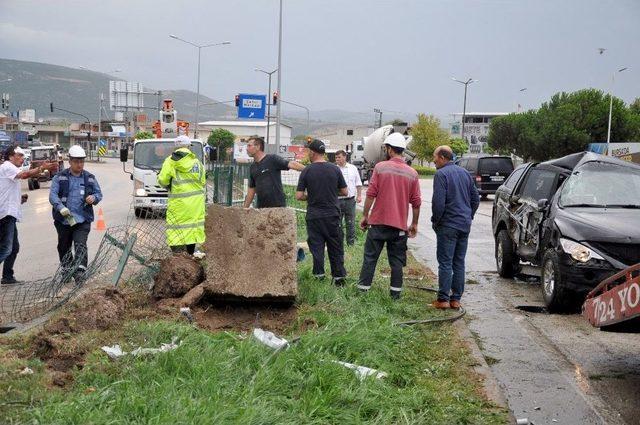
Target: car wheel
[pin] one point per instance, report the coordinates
(36, 184)
(139, 213)
(506, 258)
(30, 184)
(557, 297)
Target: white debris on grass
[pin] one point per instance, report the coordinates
(361, 371)
(114, 351)
(26, 371)
(270, 339)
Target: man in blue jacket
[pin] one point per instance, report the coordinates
(455, 201)
(73, 194)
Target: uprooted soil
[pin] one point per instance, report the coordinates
(103, 310)
(177, 275)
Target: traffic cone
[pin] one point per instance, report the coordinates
(100, 225)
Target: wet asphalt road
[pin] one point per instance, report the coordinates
(38, 257)
(552, 368)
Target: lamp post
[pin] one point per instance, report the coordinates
(521, 90)
(268, 98)
(611, 106)
(199, 47)
(464, 107)
(278, 114)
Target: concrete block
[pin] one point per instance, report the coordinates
(251, 253)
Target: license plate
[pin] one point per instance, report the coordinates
(497, 178)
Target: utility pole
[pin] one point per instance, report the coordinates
(464, 107)
(278, 113)
(611, 106)
(101, 97)
(268, 99)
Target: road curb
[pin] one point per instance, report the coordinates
(490, 386)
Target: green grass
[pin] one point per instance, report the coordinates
(424, 172)
(226, 378)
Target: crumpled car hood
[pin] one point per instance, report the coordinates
(615, 225)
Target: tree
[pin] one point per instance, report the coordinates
(142, 135)
(300, 139)
(566, 124)
(221, 139)
(427, 136)
(458, 146)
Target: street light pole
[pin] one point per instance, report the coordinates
(611, 106)
(464, 107)
(199, 47)
(519, 106)
(268, 99)
(278, 113)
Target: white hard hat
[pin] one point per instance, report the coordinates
(18, 151)
(396, 140)
(76, 151)
(183, 141)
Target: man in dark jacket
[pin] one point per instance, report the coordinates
(455, 201)
(73, 194)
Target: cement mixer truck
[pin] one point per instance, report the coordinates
(374, 151)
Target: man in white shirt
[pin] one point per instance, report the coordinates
(10, 212)
(348, 203)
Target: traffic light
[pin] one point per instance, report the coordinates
(275, 97)
(237, 100)
(51, 106)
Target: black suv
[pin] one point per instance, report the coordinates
(489, 172)
(576, 219)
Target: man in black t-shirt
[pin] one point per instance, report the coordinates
(264, 179)
(323, 182)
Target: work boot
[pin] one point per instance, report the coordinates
(455, 304)
(441, 304)
(319, 276)
(10, 281)
(395, 295)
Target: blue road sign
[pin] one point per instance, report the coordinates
(252, 106)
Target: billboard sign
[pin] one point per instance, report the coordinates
(252, 106)
(125, 95)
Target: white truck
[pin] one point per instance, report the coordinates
(373, 150)
(148, 156)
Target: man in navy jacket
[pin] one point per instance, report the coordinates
(455, 201)
(74, 191)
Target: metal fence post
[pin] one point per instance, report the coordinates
(230, 187)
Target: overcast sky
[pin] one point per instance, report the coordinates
(344, 54)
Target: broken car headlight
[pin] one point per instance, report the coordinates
(578, 251)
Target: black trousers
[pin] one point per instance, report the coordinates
(73, 235)
(326, 231)
(191, 248)
(396, 241)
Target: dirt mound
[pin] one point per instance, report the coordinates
(177, 275)
(97, 309)
(227, 317)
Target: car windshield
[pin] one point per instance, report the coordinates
(600, 184)
(42, 154)
(151, 155)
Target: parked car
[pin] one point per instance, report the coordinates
(489, 172)
(576, 219)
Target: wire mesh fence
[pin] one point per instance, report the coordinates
(133, 250)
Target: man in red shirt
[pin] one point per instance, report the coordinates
(393, 187)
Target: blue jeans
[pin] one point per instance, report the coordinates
(9, 245)
(452, 249)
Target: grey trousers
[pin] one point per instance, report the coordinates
(348, 216)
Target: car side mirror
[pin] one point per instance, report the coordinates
(543, 204)
(124, 154)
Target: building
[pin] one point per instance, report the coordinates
(341, 136)
(476, 128)
(244, 129)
